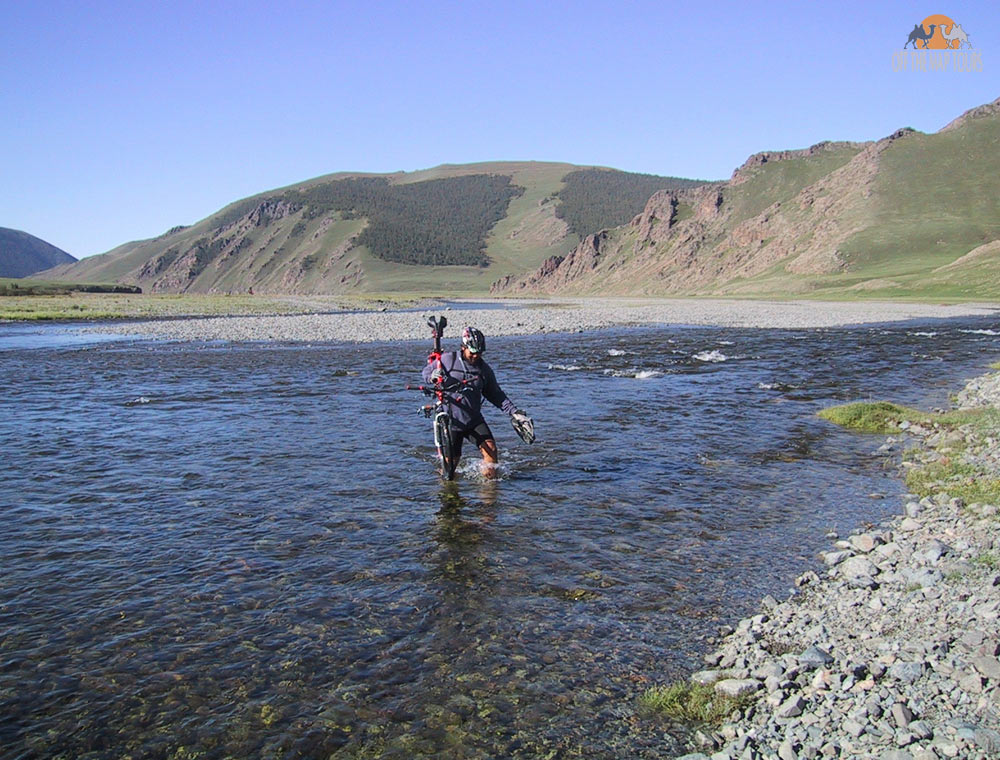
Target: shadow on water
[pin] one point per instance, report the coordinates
(227, 550)
(461, 523)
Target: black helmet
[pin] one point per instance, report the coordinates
(473, 340)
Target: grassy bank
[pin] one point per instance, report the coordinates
(887, 418)
(953, 458)
(89, 306)
(946, 461)
(19, 287)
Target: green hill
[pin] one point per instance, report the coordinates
(910, 216)
(453, 228)
(595, 199)
(22, 255)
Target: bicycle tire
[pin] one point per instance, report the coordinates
(445, 441)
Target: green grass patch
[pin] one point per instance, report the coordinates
(957, 479)
(989, 560)
(76, 306)
(873, 417)
(981, 420)
(691, 703)
(950, 474)
(885, 417)
(23, 288)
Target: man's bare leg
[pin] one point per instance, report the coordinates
(490, 458)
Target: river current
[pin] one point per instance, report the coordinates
(243, 550)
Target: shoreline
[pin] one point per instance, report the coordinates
(892, 652)
(512, 317)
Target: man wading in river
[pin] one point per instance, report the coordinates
(466, 379)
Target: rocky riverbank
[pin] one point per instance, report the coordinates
(891, 651)
(534, 317)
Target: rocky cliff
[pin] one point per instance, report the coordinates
(687, 240)
(838, 216)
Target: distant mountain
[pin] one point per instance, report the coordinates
(451, 229)
(911, 215)
(22, 255)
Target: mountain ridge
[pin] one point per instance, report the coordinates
(896, 217)
(451, 227)
(23, 254)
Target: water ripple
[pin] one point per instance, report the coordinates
(243, 551)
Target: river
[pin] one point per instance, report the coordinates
(239, 550)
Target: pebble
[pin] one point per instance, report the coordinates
(814, 657)
(555, 315)
(898, 641)
(737, 687)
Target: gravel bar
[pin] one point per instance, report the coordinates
(528, 318)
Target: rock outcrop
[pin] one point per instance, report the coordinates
(987, 109)
(745, 170)
(704, 241)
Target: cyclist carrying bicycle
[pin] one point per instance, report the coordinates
(466, 380)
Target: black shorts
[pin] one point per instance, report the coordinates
(479, 433)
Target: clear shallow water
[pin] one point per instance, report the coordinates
(225, 550)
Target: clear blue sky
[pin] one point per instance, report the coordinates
(123, 119)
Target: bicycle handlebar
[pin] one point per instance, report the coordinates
(438, 389)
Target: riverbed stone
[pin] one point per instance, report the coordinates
(947, 748)
(791, 707)
(887, 550)
(855, 567)
(923, 577)
(832, 559)
(908, 672)
(988, 740)
(864, 542)
(971, 684)
(902, 715)
(933, 551)
(737, 687)
(922, 729)
(814, 657)
(972, 639)
(786, 751)
(853, 728)
(707, 677)
(988, 666)
(910, 623)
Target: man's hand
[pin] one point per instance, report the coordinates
(437, 376)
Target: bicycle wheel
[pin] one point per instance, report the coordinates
(445, 442)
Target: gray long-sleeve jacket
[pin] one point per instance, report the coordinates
(466, 385)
